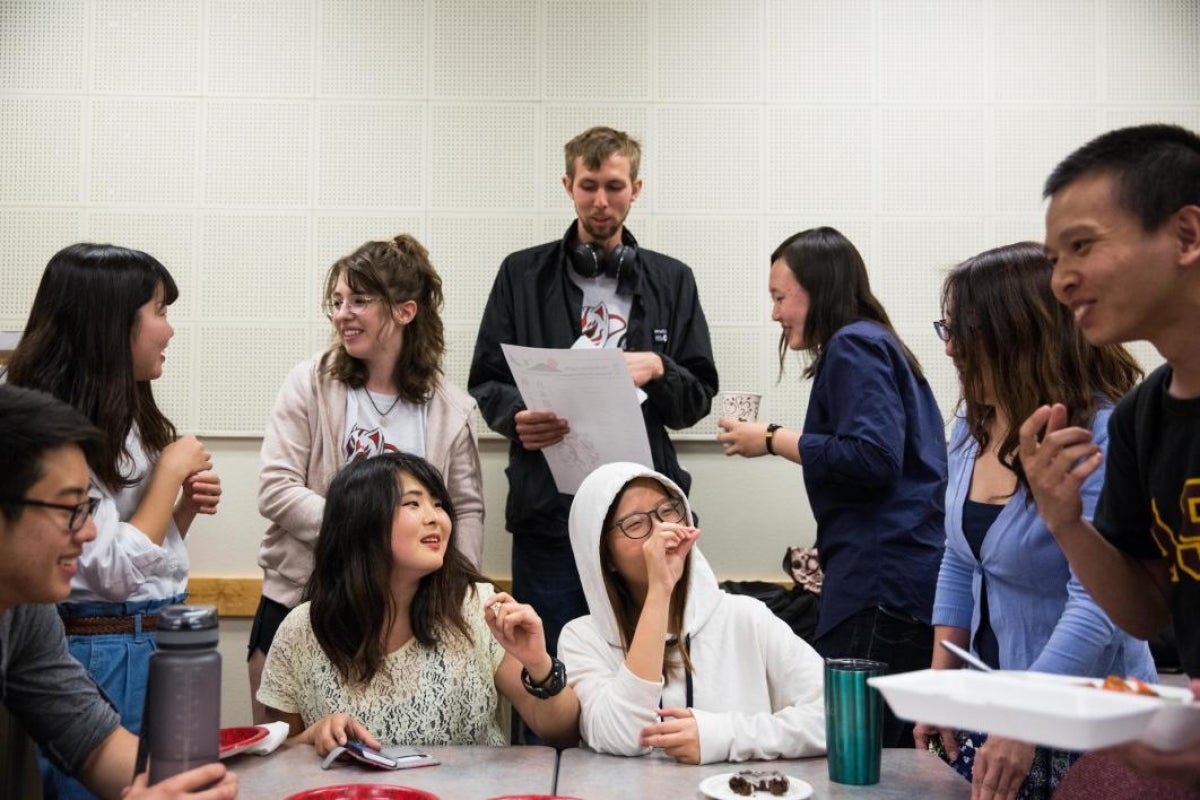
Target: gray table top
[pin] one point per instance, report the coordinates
(903, 774)
(466, 773)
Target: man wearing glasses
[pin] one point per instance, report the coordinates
(45, 521)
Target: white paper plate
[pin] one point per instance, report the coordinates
(717, 788)
(1053, 710)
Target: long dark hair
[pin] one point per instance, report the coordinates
(77, 345)
(396, 272)
(627, 610)
(829, 267)
(1008, 326)
(352, 607)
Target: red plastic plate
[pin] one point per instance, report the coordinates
(363, 791)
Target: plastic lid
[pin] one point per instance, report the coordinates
(188, 626)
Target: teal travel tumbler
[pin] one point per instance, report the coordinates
(853, 720)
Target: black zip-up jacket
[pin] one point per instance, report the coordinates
(534, 303)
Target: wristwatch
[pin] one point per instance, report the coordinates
(554, 683)
(771, 437)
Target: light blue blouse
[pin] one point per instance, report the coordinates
(1043, 617)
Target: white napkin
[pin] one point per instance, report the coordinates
(277, 732)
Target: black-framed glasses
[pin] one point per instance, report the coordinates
(356, 305)
(79, 513)
(943, 330)
(639, 524)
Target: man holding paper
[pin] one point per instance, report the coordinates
(594, 284)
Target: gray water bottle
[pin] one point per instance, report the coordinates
(182, 722)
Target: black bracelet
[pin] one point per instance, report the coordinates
(554, 683)
(771, 437)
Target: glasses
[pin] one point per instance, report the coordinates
(356, 305)
(79, 513)
(638, 524)
(944, 331)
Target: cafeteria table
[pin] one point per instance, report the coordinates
(466, 773)
(903, 774)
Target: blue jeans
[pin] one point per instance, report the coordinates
(545, 577)
(903, 643)
(120, 665)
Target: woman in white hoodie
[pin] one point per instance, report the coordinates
(665, 658)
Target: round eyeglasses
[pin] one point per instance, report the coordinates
(943, 330)
(356, 305)
(78, 513)
(639, 524)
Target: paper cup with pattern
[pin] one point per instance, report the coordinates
(741, 406)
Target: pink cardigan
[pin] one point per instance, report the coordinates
(301, 455)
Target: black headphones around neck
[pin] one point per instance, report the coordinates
(590, 260)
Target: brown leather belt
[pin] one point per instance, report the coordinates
(97, 626)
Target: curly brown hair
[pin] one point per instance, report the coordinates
(396, 271)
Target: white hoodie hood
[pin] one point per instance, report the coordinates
(757, 686)
(590, 507)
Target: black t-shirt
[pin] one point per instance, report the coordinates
(1150, 505)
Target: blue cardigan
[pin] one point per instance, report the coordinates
(1043, 618)
(873, 450)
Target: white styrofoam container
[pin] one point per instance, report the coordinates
(1053, 710)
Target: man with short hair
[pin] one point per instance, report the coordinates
(1123, 228)
(45, 521)
(595, 281)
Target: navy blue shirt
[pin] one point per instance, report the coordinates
(873, 450)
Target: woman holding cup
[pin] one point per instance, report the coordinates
(874, 457)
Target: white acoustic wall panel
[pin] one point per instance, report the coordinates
(370, 155)
(708, 159)
(1029, 227)
(147, 46)
(40, 149)
(339, 235)
(467, 251)
(144, 151)
(372, 48)
(819, 159)
(28, 238)
(481, 156)
(1150, 52)
(1029, 142)
(935, 51)
(936, 160)
(563, 123)
(253, 268)
(723, 252)
(249, 143)
(168, 236)
(820, 51)
(241, 369)
(257, 153)
(858, 229)
(738, 352)
(43, 45)
(914, 257)
(1186, 115)
(460, 347)
(260, 47)
(587, 62)
(485, 49)
(1045, 52)
(708, 51)
(175, 391)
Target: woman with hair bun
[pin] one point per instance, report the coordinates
(378, 388)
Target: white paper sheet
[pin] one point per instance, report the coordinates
(593, 391)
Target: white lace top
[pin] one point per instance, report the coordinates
(445, 695)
